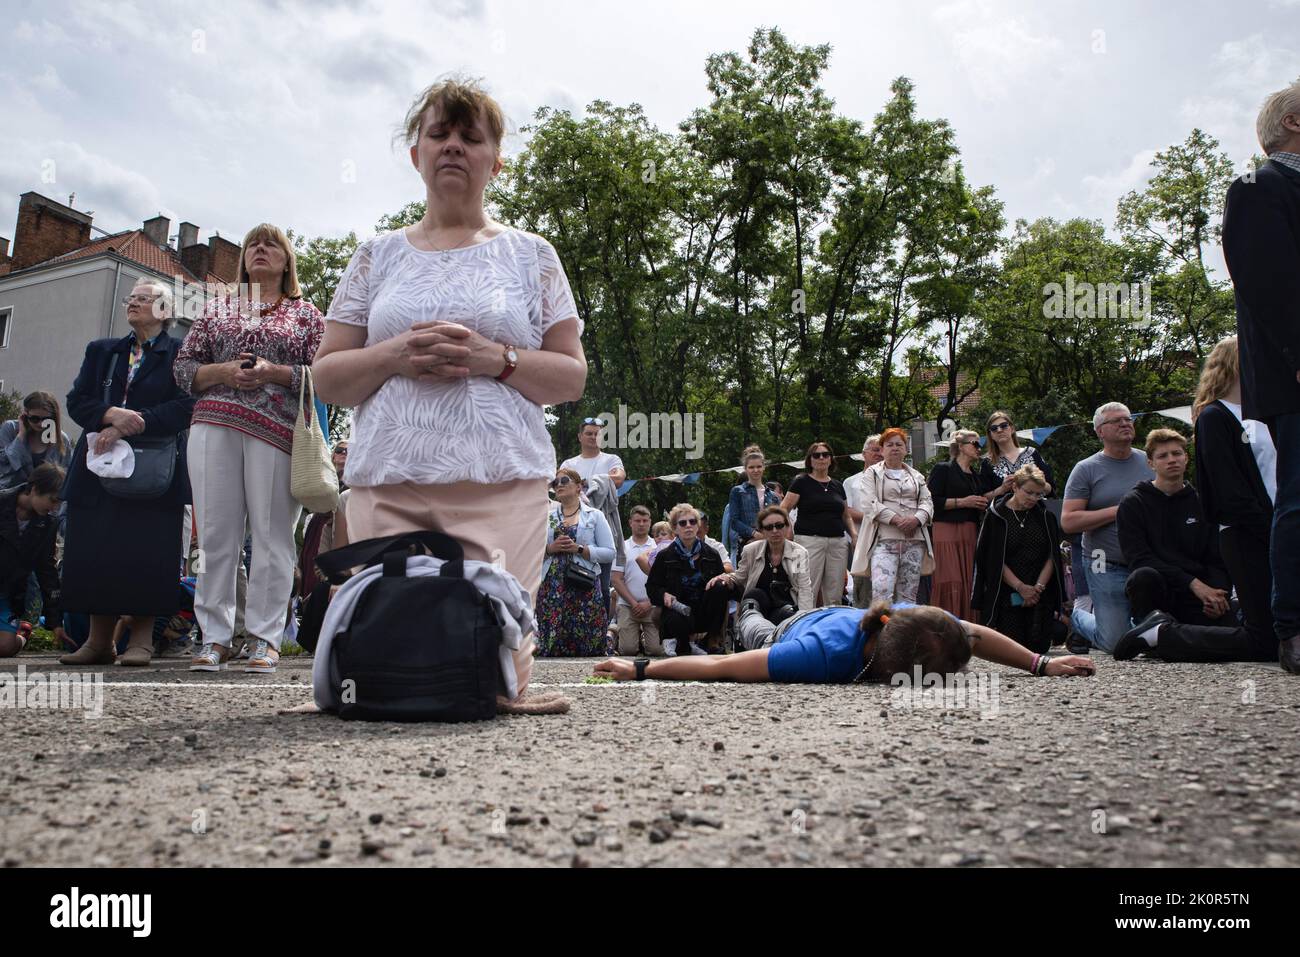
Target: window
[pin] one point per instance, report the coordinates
(6, 320)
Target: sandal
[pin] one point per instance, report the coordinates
(212, 657)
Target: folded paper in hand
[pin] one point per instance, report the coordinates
(117, 462)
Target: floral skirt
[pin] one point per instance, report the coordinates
(571, 623)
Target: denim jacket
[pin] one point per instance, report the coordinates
(745, 506)
(593, 531)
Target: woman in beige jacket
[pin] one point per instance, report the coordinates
(773, 572)
(894, 548)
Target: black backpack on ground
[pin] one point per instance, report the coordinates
(418, 648)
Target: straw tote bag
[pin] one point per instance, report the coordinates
(312, 481)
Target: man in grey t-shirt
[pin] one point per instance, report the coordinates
(1090, 505)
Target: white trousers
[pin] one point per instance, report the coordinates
(237, 479)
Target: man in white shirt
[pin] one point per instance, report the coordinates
(855, 490)
(638, 620)
(592, 461)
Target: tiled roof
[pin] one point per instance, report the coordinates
(940, 389)
(134, 245)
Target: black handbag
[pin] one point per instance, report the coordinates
(578, 577)
(155, 459)
(419, 648)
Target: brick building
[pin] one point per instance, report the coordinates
(60, 288)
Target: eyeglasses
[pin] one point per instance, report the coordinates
(1028, 494)
(560, 482)
(820, 455)
(687, 522)
(999, 427)
(774, 528)
(1122, 420)
(138, 300)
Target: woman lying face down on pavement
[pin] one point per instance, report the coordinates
(842, 645)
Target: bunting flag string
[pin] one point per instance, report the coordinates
(1038, 435)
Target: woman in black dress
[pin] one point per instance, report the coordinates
(122, 556)
(1018, 570)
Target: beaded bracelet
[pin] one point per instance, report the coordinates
(1042, 666)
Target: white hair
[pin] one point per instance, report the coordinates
(1268, 127)
(164, 297)
(1104, 410)
(961, 435)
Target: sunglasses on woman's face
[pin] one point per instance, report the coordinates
(779, 527)
(687, 522)
(1000, 426)
(820, 455)
(561, 481)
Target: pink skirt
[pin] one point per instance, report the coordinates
(954, 567)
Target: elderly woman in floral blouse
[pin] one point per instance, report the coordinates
(244, 360)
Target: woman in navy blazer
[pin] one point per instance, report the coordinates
(122, 556)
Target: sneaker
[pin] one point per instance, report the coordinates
(697, 650)
(1132, 643)
(263, 658)
(670, 647)
(211, 657)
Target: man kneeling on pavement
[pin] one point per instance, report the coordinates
(1178, 589)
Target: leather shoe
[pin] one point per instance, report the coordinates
(1288, 655)
(1133, 644)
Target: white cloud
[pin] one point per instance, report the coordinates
(996, 53)
(1106, 189)
(120, 197)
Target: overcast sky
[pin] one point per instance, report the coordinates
(231, 114)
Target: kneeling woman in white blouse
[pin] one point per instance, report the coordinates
(448, 337)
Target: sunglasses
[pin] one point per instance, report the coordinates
(820, 455)
(999, 427)
(561, 481)
(774, 528)
(600, 422)
(687, 522)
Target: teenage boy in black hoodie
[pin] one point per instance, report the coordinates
(1179, 590)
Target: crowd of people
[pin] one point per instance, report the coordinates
(449, 337)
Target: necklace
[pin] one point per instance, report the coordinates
(428, 236)
(1016, 513)
(576, 512)
(257, 308)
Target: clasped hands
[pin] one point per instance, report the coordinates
(1214, 601)
(446, 350)
(906, 524)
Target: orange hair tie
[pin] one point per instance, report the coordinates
(884, 619)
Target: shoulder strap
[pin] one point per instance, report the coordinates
(112, 371)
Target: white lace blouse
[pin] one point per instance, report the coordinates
(510, 289)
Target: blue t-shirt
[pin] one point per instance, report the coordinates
(824, 647)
